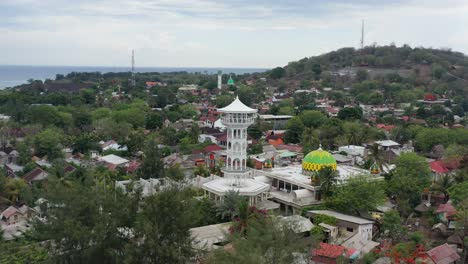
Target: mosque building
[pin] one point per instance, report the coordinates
(288, 189)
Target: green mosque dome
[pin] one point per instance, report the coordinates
(230, 81)
(317, 160)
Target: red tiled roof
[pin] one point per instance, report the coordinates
(276, 142)
(443, 254)
(328, 251)
(30, 176)
(211, 148)
(133, 166)
(9, 212)
(446, 208)
(444, 166)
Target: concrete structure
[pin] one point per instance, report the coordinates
(220, 79)
(354, 232)
(354, 150)
(294, 190)
(237, 117)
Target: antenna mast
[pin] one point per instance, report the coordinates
(362, 34)
(133, 68)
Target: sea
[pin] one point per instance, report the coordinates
(12, 75)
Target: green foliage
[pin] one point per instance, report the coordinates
(417, 237)
(326, 219)
(427, 138)
(277, 73)
(22, 252)
(175, 173)
(294, 129)
(459, 193)
(312, 118)
(408, 180)
(268, 240)
(224, 100)
(358, 194)
(392, 225)
(153, 121)
(162, 230)
(350, 113)
(152, 165)
(49, 142)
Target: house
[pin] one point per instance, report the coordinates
(3, 158)
(209, 237)
(443, 167)
(12, 169)
(354, 232)
(133, 166)
(446, 212)
(443, 254)
(13, 215)
(113, 161)
(354, 150)
(329, 254)
(112, 145)
(37, 174)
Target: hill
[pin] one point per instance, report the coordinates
(420, 67)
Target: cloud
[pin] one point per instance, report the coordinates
(238, 33)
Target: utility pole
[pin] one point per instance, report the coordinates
(362, 34)
(133, 68)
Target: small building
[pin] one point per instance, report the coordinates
(37, 174)
(113, 161)
(354, 232)
(12, 169)
(13, 215)
(354, 150)
(443, 254)
(329, 254)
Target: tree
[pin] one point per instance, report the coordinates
(201, 170)
(309, 140)
(152, 165)
(357, 194)
(194, 133)
(277, 73)
(48, 142)
(91, 222)
(254, 131)
(408, 180)
(362, 75)
(443, 184)
(162, 230)
(312, 118)
(350, 113)
(266, 240)
(327, 177)
(294, 129)
(175, 173)
(224, 100)
(459, 193)
(226, 210)
(153, 121)
(135, 141)
(392, 225)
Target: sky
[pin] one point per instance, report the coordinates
(216, 33)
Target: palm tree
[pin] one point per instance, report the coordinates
(227, 209)
(443, 184)
(327, 177)
(376, 155)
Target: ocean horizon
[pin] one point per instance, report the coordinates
(12, 75)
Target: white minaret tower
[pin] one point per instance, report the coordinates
(237, 117)
(220, 78)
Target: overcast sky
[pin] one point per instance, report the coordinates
(210, 33)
